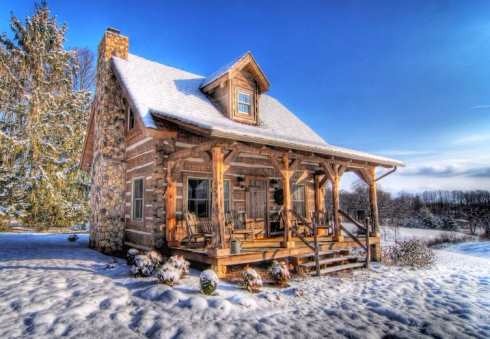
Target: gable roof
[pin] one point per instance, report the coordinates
(157, 90)
(239, 63)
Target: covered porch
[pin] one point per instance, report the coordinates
(282, 212)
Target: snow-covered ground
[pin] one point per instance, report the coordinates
(50, 288)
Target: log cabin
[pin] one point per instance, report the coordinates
(197, 165)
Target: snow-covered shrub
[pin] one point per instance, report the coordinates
(132, 252)
(280, 273)
(168, 274)
(155, 257)
(251, 280)
(179, 263)
(143, 266)
(209, 282)
(72, 237)
(414, 253)
(449, 224)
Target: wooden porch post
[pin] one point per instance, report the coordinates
(287, 203)
(319, 194)
(334, 173)
(170, 207)
(373, 200)
(337, 235)
(218, 200)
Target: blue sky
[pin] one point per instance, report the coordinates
(409, 80)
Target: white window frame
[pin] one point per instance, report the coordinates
(142, 199)
(250, 103)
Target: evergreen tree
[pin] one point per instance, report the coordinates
(42, 125)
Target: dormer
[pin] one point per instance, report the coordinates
(236, 88)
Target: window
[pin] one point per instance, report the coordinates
(299, 200)
(198, 197)
(227, 196)
(244, 102)
(130, 119)
(138, 189)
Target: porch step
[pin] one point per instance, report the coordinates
(329, 261)
(323, 253)
(337, 268)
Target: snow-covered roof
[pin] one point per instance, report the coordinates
(221, 71)
(170, 93)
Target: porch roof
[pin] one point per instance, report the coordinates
(160, 91)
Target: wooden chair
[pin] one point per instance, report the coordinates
(197, 230)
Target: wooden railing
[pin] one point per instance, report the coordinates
(364, 229)
(312, 226)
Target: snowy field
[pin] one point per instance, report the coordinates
(51, 288)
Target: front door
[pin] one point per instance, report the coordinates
(257, 203)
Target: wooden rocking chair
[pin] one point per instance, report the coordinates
(197, 231)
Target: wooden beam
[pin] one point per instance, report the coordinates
(232, 155)
(323, 181)
(304, 175)
(170, 207)
(319, 193)
(195, 151)
(218, 200)
(287, 202)
(373, 200)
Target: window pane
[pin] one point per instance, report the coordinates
(245, 98)
(202, 208)
(198, 197)
(245, 108)
(138, 188)
(198, 189)
(227, 196)
(138, 209)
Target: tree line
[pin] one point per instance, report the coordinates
(438, 209)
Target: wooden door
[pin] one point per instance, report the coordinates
(256, 206)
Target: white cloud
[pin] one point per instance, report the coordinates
(480, 107)
(472, 139)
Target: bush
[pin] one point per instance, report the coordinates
(251, 280)
(155, 257)
(209, 282)
(180, 264)
(168, 274)
(143, 266)
(132, 253)
(414, 253)
(280, 273)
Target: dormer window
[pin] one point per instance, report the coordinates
(244, 102)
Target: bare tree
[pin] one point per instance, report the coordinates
(84, 70)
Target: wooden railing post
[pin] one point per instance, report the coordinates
(368, 246)
(218, 200)
(170, 207)
(317, 248)
(373, 200)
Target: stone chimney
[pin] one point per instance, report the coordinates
(113, 44)
(107, 198)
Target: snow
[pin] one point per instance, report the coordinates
(391, 234)
(174, 94)
(50, 287)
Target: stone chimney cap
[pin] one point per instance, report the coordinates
(113, 30)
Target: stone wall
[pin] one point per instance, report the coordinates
(108, 166)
